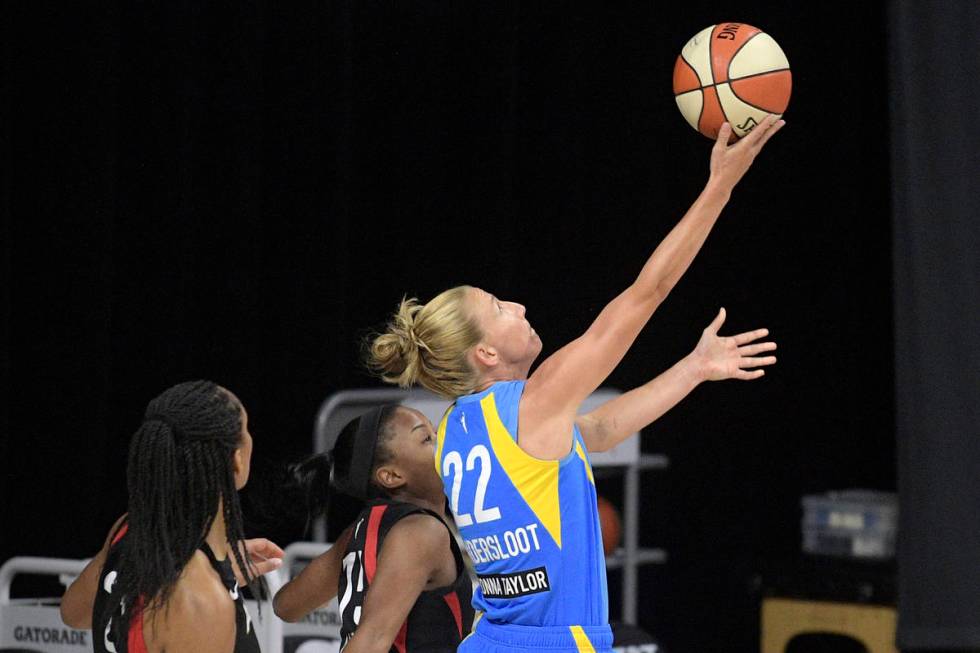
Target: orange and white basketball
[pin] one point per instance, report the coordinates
(731, 72)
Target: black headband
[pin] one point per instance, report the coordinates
(362, 457)
(165, 419)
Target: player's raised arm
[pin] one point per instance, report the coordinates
(567, 377)
(715, 358)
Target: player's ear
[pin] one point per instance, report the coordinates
(241, 462)
(486, 355)
(388, 477)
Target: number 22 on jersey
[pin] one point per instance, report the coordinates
(452, 465)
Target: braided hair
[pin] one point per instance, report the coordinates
(180, 474)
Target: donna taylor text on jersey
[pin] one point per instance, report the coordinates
(503, 546)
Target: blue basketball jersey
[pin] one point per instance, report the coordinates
(530, 526)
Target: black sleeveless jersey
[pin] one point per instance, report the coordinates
(440, 618)
(102, 636)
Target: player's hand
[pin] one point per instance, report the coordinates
(730, 162)
(734, 357)
(264, 555)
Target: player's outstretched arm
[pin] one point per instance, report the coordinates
(315, 585)
(714, 359)
(556, 389)
(79, 597)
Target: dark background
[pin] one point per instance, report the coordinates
(240, 193)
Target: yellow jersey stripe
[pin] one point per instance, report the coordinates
(588, 467)
(536, 480)
(441, 440)
(581, 640)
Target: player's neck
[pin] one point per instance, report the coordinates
(496, 375)
(436, 505)
(217, 537)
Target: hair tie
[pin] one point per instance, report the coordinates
(416, 340)
(169, 421)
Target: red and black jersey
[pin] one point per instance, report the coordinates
(440, 618)
(102, 636)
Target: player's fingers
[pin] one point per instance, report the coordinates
(263, 567)
(748, 362)
(262, 547)
(769, 134)
(755, 136)
(752, 350)
(724, 133)
(272, 550)
(717, 322)
(749, 336)
(749, 376)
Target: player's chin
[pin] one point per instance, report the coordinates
(535, 346)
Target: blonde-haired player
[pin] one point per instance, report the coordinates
(512, 451)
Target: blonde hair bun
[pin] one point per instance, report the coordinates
(428, 345)
(394, 351)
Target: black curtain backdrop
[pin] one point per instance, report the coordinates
(240, 192)
(936, 168)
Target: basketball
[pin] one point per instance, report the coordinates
(610, 524)
(731, 72)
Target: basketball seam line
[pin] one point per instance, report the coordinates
(728, 68)
(711, 54)
(693, 70)
(754, 106)
(721, 105)
(737, 79)
(711, 69)
(697, 123)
